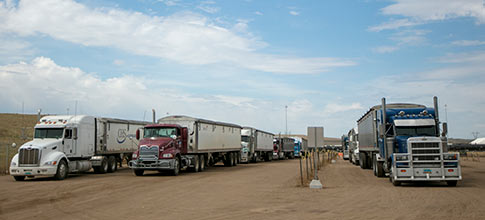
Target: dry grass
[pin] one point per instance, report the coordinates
(14, 128)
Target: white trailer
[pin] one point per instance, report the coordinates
(69, 144)
(256, 145)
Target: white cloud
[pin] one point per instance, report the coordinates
(420, 12)
(295, 13)
(385, 49)
(12, 49)
(258, 13)
(44, 84)
(393, 24)
(332, 108)
(208, 6)
(468, 43)
(169, 2)
(186, 38)
(410, 37)
(118, 62)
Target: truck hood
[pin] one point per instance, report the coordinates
(43, 143)
(161, 141)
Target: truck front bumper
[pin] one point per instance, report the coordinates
(161, 164)
(33, 171)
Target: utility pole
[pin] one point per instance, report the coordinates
(286, 119)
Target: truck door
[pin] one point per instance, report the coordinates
(68, 142)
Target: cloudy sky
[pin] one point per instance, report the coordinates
(244, 61)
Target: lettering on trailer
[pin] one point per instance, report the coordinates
(121, 136)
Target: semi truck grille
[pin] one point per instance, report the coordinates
(29, 157)
(419, 151)
(425, 145)
(148, 152)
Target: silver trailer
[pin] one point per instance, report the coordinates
(71, 144)
(215, 141)
(256, 145)
(284, 148)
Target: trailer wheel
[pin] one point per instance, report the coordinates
(380, 169)
(196, 164)
(176, 169)
(19, 178)
(362, 160)
(228, 160)
(111, 164)
(238, 158)
(234, 156)
(139, 172)
(62, 170)
(202, 163)
(451, 182)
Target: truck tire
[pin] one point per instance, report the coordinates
(228, 160)
(362, 161)
(103, 168)
(138, 172)
(380, 169)
(201, 163)
(393, 181)
(196, 164)
(62, 170)
(112, 166)
(234, 156)
(176, 169)
(19, 178)
(451, 182)
(238, 158)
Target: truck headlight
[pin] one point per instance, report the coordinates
(167, 155)
(449, 156)
(13, 164)
(50, 163)
(401, 157)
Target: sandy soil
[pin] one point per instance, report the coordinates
(248, 191)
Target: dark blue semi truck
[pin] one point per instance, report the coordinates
(404, 142)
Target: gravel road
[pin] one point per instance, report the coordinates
(248, 191)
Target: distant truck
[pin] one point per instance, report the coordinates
(345, 147)
(283, 148)
(256, 145)
(301, 144)
(70, 144)
(181, 142)
(353, 137)
(404, 141)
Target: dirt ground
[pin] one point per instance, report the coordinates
(249, 191)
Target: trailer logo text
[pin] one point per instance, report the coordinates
(121, 136)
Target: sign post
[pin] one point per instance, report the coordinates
(315, 140)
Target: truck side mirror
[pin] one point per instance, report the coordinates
(138, 134)
(445, 129)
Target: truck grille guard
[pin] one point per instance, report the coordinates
(427, 155)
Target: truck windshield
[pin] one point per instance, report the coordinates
(416, 131)
(245, 138)
(159, 132)
(48, 132)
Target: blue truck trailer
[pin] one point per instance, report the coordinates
(404, 142)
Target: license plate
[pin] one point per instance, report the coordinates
(28, 173)
(427, 171)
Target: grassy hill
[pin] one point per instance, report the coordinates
(14, 128)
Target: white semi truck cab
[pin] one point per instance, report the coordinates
(68, 144)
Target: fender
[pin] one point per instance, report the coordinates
(54, 156)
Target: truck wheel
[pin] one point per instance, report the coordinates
(176, 169)
(451, 182)
(19, 178)
(111, 164)
(374, 164)
(393, 181)
(228, 160)
(139, 172)
(196, 164)
(362, 161)
(380, 169)
(234, 156)
(62, 170)
(202, 163)
(238, 158)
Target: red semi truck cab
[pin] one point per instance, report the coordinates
(161, 148)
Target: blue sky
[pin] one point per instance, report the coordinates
(244, 61)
